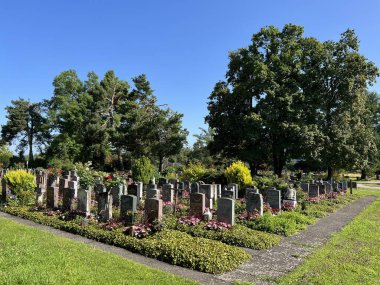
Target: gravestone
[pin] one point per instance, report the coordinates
(104, 206)
(313, 191)
(162, 181)
(328, 187)
(305, 187)
(291, 194)
(140, 188)
(249, 190)
(40, 193)
(322, 189)
(68, 199)
(228, 192)
(168, 193)
(207, 190)
(197, 204)
(153, 210)
(135, 190)
(5, 192)
(63, 184)
(354, 185)
(74, 185)
(274, 198)
(116, 192)
(153, 193)
(128, 205)
(235, 187)
(84, 201)
(226, 211)
(344, 185)
(194, 187)
(52, 194)
(218, 190)
(254, 202)
(174, 182)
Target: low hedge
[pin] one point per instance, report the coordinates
(171, 246)
(238, 235)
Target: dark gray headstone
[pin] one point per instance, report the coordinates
(168, 193)
(254, 202)
(313, 191)
(116, 192)
(52, 194)
(274, 198)
(128, 205)
(197, 204)
(194, 187)
(68, 199)
(207, 190)
(104, 206)
(153, 210)
(226, 211)
(153, 193)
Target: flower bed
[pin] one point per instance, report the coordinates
(171, 246)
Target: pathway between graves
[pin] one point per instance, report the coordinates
(263, 268)
(267, 265)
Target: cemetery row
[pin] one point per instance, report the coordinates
(143, 219)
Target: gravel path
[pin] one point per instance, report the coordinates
(263, 268)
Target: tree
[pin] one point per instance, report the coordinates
(26, 124)
(334, 80)
(255, 113)
(169, 136)
(5, 156)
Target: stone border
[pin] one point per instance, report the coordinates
(265, 266)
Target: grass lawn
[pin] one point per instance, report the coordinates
(351, 256)
(33, 256)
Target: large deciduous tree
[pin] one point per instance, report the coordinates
(255, 113)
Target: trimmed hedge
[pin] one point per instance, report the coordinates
(171, 246)
(238, 235)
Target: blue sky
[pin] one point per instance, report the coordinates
(182, 46)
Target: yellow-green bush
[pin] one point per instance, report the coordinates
(238, 173)
(193, 172)
(21, 183)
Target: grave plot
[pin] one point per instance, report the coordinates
(203, 226)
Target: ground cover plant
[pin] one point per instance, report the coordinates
(351, 256)
(32, 256)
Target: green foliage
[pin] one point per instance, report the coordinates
(26, 123)
(86, 174)
(171, 246)
(5, 156)
(238, 173)
(21, 183)
(238, 235)
(143, 170)
(193, 172)
(64, 164)
(214, 176)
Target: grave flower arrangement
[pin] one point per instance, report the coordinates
(111, 181)
(217, 226)
(189, 220)
(139, 231)
(249, 216)
(54, 171)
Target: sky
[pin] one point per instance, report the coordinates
(182, 46)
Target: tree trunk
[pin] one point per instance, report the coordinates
(253, 169)
(161, 161)
(120, 159)
(278, 165)
(30, 143)
(364, 174)
(330, 173)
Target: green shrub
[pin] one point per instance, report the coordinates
(238, 235)
(143, 170)
(238, 173)
(214, 176)
(86, 174)
(193, 172)
(171, 246)
(5, 156)
(22, 184)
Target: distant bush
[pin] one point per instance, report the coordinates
(86, 174)
(5, 156)
(142, 170)
(22, 184)
(214, 176)
(193, 172)
(238, 173)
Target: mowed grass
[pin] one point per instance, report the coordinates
(351, 256)
(33, 256)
